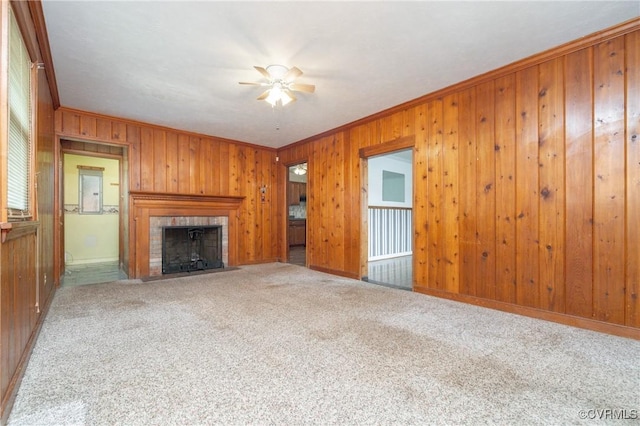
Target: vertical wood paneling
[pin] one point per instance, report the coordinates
(172, 162)
(527, 165)
(467, 180)
(17, 293)
(159, 142)
(88, 126)
(551, 187)
(632, 303)
(505, 149)
(133, 136)
(435, 195)
(450, 217)
(118, 131)
(146, 156)
(579, 182)
(222, 163)
(420, 200)
(183, 164)
(207, 170)
(70, 123)
(103, 129)
(486, 192)
(609, 172)
(195, 184)
(45, 178)
(321, 233)
(351, 174)
(337, 260)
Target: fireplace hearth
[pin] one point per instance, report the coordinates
(191, 248)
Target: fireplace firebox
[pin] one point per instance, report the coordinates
(191, 248)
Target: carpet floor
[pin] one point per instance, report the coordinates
(283, 345)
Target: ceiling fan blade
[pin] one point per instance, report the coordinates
(292, 74)
(263, 96)
(309, 88)
(264, 72)
(251, 84)
(293, 98)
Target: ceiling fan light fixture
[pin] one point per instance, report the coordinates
(281, 83)
(277, 72)
(299, 170)
(278, 96)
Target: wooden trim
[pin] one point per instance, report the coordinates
(23, 17)
(92, 154)
(13, 230)
(389, 208)
(86, 138)
(160, 197)
(586, 323)
(556, 52)
(334, 272)
(399, 144)
(260, 262)
(37, 16)
(5, 228)
(147, 125)
(99, 169)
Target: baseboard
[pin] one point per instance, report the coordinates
(334, 272)
(14, 383)
(585, 323)
(258, 262)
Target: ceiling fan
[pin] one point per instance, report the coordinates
(281, 84)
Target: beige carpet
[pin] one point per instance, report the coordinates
(280, 344)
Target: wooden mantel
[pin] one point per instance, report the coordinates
(144, 205)
(232, 201)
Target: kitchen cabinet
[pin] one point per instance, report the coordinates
(296, 190)
(297, 232)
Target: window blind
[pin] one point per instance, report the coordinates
(19, 148)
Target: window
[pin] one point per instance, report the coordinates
(19, 145)
(392, 186)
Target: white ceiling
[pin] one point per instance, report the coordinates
(178, 64)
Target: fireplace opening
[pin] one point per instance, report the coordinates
(191, 248)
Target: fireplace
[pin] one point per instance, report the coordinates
(152, 211)
(191, 248)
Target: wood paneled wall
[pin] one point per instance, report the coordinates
(45, 177)
(27, 277)
(163, 160)
(527, 185)
(18, 315)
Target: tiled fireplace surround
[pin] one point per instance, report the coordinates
(150, 211)
(155, 236)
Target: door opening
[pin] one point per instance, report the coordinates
(94, 217)
(390, 219)
(297, 214)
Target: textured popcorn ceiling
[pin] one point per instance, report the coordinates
(178, 64)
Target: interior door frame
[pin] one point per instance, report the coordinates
(287, 166)
(400, 144)
(123, 237)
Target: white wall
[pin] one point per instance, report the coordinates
(384, 162)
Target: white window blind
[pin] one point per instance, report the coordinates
(19, 149)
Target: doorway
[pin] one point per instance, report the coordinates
(93, 217)
(297, 218)
(390, 219)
